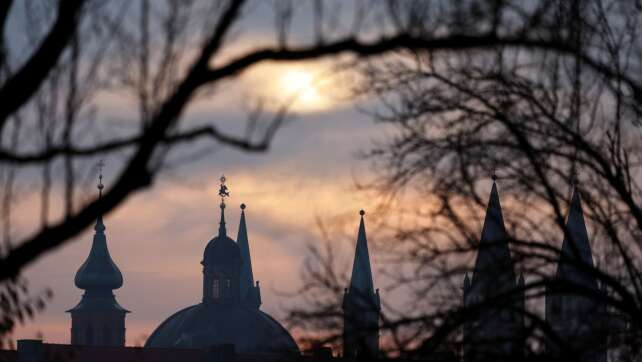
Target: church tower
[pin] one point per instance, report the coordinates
(494, 330)
(578, 320)
(361, 305)
(222, 264)
(250, 293)
(98, 320)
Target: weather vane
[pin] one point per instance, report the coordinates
(101, 164)
(223, 192)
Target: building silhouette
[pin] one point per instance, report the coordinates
(228, 324)
(361, 304)
(494, 331)
(229, 313)
(98, 320)
(573, 305)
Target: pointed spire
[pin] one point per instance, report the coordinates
(246, 278)
(361, 279)
(221, 225)
(493, 255)
(576, 247)
(99, 273)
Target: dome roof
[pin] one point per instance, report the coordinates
(221, 249)
(204, 325)
(99, 272)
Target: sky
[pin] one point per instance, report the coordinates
(158, 236)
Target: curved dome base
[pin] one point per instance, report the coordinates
(203, 325)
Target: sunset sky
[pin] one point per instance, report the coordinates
(157, 238)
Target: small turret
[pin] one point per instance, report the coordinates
(98, 320)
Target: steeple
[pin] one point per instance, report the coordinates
(361, 279)
(580, 321)
(493, 255)
(250, 293)
(576, 249)
(99, 273)
(361, 304)
(493, 276)
(98, 320)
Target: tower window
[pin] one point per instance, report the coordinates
(216, 293)
(229, 283)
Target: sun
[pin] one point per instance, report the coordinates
(302, 88)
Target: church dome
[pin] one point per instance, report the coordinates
(99, 272)
(221, 249)
(204, 325)
(224, 317)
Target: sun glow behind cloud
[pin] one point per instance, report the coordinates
(301, 87)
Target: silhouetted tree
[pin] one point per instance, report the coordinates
(165, 54)
(544, 120)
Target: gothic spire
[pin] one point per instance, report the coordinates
(99, 272)
(576, 248)
(493, 254)
(361, 279)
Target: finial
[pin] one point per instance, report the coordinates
(361, 212)
(242, 206)
(223, 191)
(101, 164)
(493, 174)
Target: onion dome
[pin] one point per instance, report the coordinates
(99, 272)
